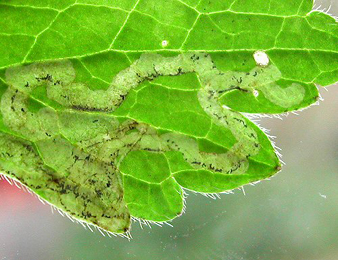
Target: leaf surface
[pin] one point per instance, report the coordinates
(109, 109)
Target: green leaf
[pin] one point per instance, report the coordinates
(151, 192)
(109, 109)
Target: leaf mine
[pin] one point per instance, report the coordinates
(84, 143)
(144, 99)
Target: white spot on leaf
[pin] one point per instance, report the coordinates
(165, 43)
(261, 58)
(322, 195)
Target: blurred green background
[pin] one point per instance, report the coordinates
(292, 216)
